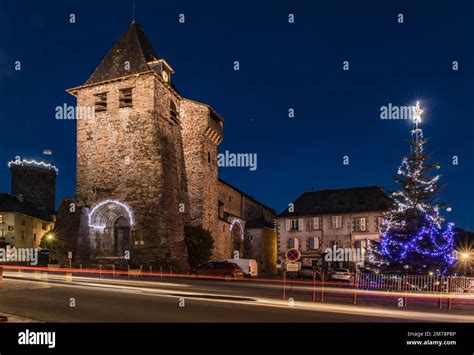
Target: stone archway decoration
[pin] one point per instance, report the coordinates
(105, 213)
(237, 223)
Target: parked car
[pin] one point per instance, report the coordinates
(248, 266)
(340, 274)
(218, 269)
(307, 272)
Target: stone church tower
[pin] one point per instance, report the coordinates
(147, 166)
(130, 161)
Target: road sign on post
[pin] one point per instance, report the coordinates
(293, 266)
(293, 254)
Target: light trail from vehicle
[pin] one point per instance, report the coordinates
(164, 291)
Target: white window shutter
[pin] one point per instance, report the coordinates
(314, 243)
(288, 224)
(301, 224)
(363, 224)
(296, 243)
(316, 223)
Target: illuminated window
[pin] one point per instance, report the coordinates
(2, 218)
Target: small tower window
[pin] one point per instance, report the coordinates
(173, 111)
(100, 102)
(125, 97)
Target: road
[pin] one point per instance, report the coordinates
(57, 298)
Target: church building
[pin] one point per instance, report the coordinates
(147, 166)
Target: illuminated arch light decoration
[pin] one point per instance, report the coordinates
(236, 222)
(25, 162)
(106, 212)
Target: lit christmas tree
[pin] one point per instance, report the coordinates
(415, 237)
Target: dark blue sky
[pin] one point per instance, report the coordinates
(282, 65)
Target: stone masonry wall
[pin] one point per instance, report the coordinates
(132, 154)
(200, 153)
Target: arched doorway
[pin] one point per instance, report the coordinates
(121, 236)
(237, 238)
(110, 224)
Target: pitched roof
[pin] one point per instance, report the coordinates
(133, 46)
(11, 203)
(247, 196)
(352, 200)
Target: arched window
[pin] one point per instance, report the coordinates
(173, 111)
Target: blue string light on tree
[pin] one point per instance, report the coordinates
(414, 235)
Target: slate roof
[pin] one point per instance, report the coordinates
(133, 46)
(11, 203)
(352, 200)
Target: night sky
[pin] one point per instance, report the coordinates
(282, 66)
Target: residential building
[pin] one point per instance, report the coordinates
(339, 218)
(22, 225)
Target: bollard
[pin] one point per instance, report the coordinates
(284, 284)
(1, 274)
(113, 271)
(151, 268)
(100, 271)
(161, 271)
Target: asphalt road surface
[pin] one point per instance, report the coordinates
(56, 298)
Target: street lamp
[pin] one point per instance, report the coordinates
(465, 258)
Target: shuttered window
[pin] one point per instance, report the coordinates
(313, 243)
(314, 223)
(294, 243)
(361, 224)
(125, 97)
(100, 102)
(336, 222)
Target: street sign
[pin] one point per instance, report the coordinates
(293, 267)
(278, 264)
(69, 255)
(293, 254)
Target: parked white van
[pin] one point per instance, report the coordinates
(248, 266)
